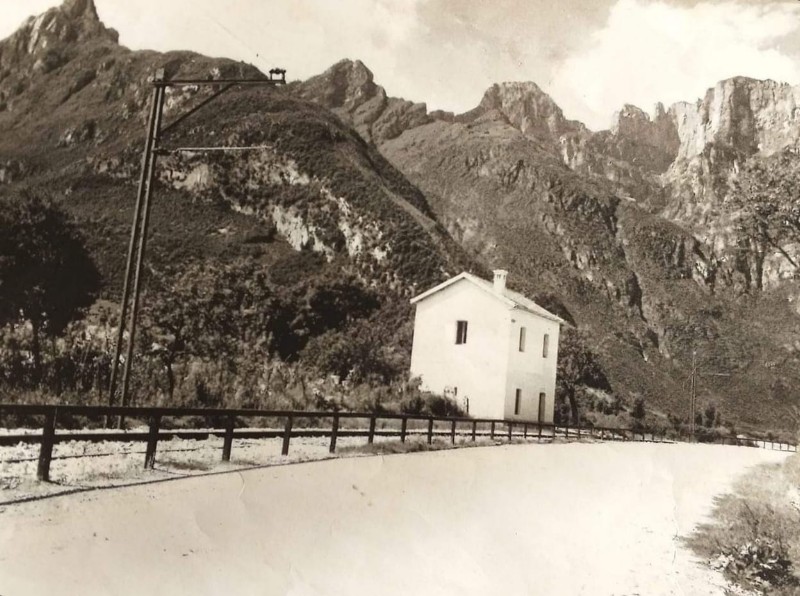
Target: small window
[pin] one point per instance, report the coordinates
(461, 332)
(545, 345)
(517, 402)
(522, 339)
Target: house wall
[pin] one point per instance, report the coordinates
(529, 370)
(477, 368)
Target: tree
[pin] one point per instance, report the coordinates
(577, 367)
(639, 413)
(765, 201)
(357, 354)
(46, 274)
(225, 313)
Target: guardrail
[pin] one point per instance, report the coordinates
(225, 422)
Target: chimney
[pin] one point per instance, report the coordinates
(500, 280)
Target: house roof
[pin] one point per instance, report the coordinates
(510, 298)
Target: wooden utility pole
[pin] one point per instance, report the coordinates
(693, 394)
(132, 284)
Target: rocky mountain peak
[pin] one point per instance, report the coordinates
(526, 107)
(348, 89)
(45, 40)
(80, 9)
(629, 117)
(632, 124)
(347, 84)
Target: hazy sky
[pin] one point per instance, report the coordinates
(591, 56)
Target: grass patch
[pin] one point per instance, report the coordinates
(390, 447)
(187, 465)
(754, 538)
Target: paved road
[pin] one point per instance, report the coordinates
(594, 519)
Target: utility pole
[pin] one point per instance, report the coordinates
(132, 284)
(693, 394)
(693, 378)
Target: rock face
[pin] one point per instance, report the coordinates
(747, 115)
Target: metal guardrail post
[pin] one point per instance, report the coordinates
(228, 442)
(334, 433)
(430, 431)
(287, 435)
(539, 437)
(46, 448)
(371, 437)
(152, 442)
(403, 429)
(474, 429)
(492, 431)
(453, 432)
(525, 430)
(510, 426)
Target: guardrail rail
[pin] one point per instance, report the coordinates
(225, 422)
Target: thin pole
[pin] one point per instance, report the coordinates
(159, 100)
(137, 217)
(693, 393)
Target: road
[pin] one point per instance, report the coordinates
(594, 519)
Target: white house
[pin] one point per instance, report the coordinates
(492, 350)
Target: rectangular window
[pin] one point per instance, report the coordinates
(461, 332)
(522, 339)
(545, 345)
(517, 402)
(542, 398)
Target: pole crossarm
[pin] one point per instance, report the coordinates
(192, 82)
(167, 151)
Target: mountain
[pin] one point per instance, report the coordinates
(356, 200)
(623, 227)
(74, 104)
(312, 216)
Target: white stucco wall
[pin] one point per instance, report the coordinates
(489, 367)
(529, 370)
(478, 367)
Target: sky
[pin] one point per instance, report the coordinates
(591, 56)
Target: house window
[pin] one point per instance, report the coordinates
(517, 402)
(522, 339)
(545, 345)
(542, 398)
(461, 332)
